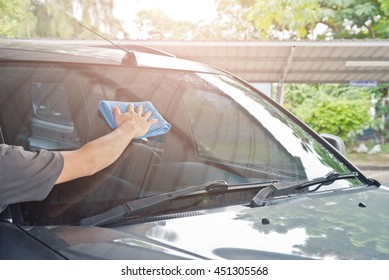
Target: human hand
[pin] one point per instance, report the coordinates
(133, 120)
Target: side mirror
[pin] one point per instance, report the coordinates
(336, 142)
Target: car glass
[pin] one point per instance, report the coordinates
(221, 130)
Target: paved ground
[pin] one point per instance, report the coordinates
(375, 165)
(380, 175)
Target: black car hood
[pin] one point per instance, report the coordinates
(351, 226)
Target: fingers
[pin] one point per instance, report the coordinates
(130, 108)
(135, 120)
(153, 121)
(147, 115)
(116, 111)
(139, 110)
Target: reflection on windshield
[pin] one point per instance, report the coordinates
(298, 144)
(221, 130)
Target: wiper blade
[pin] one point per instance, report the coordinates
(132, 207)
(281, 190)
(138, 205)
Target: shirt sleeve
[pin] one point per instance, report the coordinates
(27, 175)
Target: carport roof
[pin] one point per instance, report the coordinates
(341, 61)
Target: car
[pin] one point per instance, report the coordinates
(237, 176)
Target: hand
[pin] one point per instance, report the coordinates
(133, 120)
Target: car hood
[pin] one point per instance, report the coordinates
(350, 226)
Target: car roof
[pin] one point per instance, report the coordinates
(94, 52)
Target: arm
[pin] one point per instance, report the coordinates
(101, 152)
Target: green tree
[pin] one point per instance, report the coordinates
(230, 24)
(232, 21)
(159, 26)
(335, 109)
(17, 18)
(381, 122)
(299, 19)
(55, 19)
(280, 19)
(283, 19)
(356, 18)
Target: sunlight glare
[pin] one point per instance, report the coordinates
(190, 10)
(179, 10)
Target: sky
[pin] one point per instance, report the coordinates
(190, 10)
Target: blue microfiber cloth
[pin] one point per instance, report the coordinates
(159, 128)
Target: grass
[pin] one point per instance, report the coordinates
(385, 148)
(380, 159)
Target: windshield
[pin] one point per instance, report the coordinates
(221, 130)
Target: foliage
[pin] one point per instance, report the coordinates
(17, 18)
(356, 18)
(301, 19)
(334, 109)
(230, 23)
(338, 117)
(381, 123)
(160, 26)
(278, 19)
(56, 19)
(283, 19)
(236, 20)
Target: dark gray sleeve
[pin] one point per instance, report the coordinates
(27, 176)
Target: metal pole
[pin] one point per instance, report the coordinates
(280, 87)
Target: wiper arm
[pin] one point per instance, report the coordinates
(135, 206)
(138, 205)
(274, 191)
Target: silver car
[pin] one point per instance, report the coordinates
(236, 177)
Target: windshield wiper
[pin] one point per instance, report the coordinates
(281, 190)
(132, 207)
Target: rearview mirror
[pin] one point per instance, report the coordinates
(336, 142)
